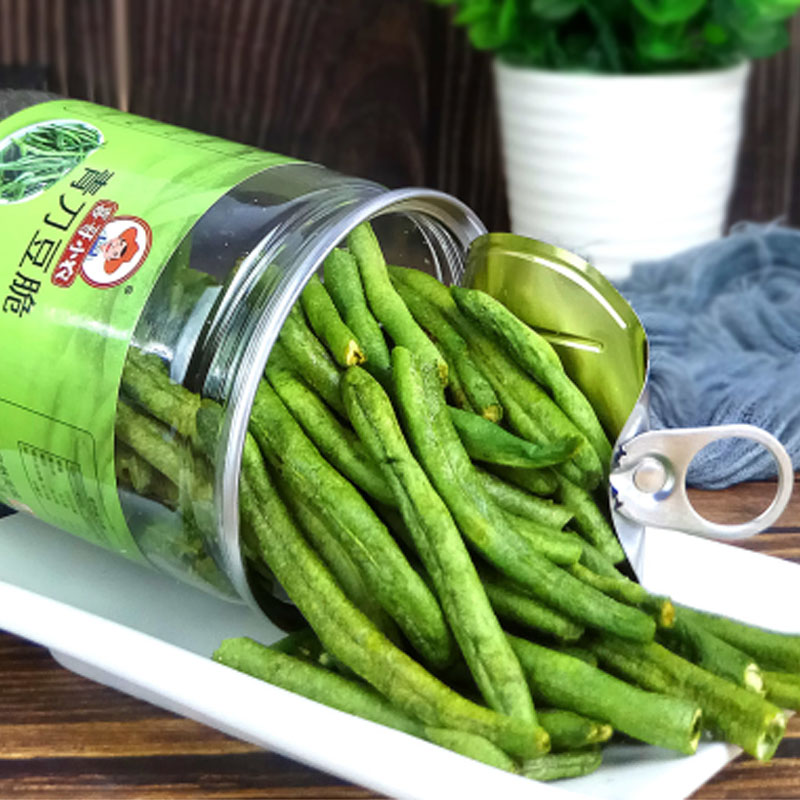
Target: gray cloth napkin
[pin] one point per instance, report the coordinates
(723, 322)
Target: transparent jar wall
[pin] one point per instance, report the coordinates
(211, 320)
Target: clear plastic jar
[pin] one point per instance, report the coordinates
(214, 309)
(260, 244)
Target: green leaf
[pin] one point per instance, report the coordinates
(764, 40)
(715, 34)
(662, 44)
(605, 36)
(491, 23)
(473, 12)
(554, 10)
(668, 12)
(532, 50)
(777, 9)
(507, 20)
(483, 35)
(581, 51)
(753, 28)
(554, 52)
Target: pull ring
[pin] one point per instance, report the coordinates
(649, 480)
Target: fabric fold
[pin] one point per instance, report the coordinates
(723, 322)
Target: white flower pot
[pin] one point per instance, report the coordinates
(620, 168)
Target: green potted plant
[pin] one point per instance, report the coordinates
(621, 119)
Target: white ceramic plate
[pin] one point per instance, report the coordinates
(128, 627)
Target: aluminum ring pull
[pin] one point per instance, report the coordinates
(649, 480)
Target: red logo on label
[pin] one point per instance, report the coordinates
(105, 250)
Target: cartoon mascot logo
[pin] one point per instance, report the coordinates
(105, 249)
(118, 252)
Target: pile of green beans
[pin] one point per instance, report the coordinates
(420, 478)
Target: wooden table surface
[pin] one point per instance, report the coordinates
(64, 737)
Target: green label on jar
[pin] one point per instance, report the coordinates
(92, 204)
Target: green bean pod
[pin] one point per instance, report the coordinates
(598, 571)
(384, 301)
(772, 650)
(344, 694)
(783, 689)
(393, 520)
(593, 559)
(329, 326)
(340, 446)
(440, 547)
(589, 519)
(133, 470)
(425, 285)
(151, 439)
(341, 565)
(540, 482)
(349, 636)
(576, 651)
(734, 714)
(171, 439)
(559, 766)
(520, 503)
(561, 547)
(565, 682)
(622, 589)
(309, 359)
(511, 602)
(661, 609)
(455, 387)
(303, 644)
(145, 381)
(174, 457)
(694, 643)
(478, 390)
(535, 354)
(448, 466)
(344, 286)
(486, 441)
(478, 748)
(272, 665)
(570, 731)
(314, 482)
(436, 443)
(531, 412)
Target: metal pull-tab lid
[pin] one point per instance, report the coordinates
(649, 480)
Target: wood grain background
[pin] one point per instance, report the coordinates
(385, 89)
